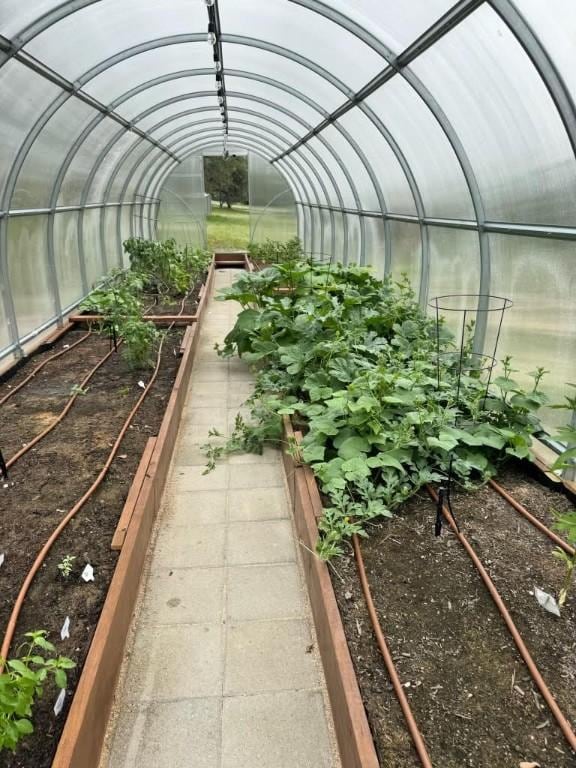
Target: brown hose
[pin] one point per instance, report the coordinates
(75, 509)
(417, 737)
(530, 517)
(524, 652)
(42, 364)
(11, 461)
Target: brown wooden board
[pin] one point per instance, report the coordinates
(81, 742)
(133, 494)
(352, 730)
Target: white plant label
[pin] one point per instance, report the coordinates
(59, 706)
(88, 573)
(141, 384)
(1, 558)
(65, 631)
(547, 601)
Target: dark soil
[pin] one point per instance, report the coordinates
(46, 482)
(469, 689)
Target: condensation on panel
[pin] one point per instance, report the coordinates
(29, 276)
(67, 258)
(92, 247)
(184, 204)
(272, 209)
(540, 329)
(375, 245)
(505, 119)
(406, 252)
(28, 96)
(36, 180)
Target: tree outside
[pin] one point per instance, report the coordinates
(226, 179)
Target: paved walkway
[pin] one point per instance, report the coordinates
(224, 670)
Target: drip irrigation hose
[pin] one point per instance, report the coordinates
(42, 364)
(531, 519)
(13, 620)
(516, 636)
(416, 735)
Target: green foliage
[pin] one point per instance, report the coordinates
(566, 525)
(275, 252)
(160, 268)
(66, 565)
(353, 360)
(22, 683)
(567, 435)
(226, 179)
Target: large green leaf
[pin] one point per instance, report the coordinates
(353, 446)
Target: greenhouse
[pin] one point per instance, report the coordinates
(309, 502)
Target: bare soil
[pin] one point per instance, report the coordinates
(470, 691)
(46, 482)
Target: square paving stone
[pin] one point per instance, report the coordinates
(184, 596)
(209, 372)
(268, 456)
(266, 476)
(175, 662)
(210, 388)
(269, 656)
(255, 504)
(154, 736)
(269, 541)
(256, 592)
(199, 547)
(193, 479)
(275, 730)
(195, 508)
(199, 416)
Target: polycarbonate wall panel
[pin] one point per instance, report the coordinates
(354, 239)
(67, 259)
(385, 164)
(316, 232)
(375, 245)
(540, 329)
(339, 252)
(304, 32)
(92, 247)
(355, 165)
(454, 261)
(506, 120)
(272, 210)
(111, 244)
(29, 277)
(46, 156)
(108, 165)
(406, 252)
(24, 97)
(5, 340)
(326, 246)
(433, 162)
(183, 208)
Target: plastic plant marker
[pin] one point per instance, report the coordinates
(88, 573)
(2, 556)
(59, 705)
(547, 601)
(141, 384)
(65, 631)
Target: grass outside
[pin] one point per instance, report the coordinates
(229, 228)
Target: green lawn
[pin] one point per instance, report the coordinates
(229, 228)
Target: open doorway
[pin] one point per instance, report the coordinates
(226, 181)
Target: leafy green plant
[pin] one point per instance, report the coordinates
(566, 524)
(22, 684)
(353, 360)
(139, 338)
(275, 252)
(164, 267)
(66, 565)
(567, 434)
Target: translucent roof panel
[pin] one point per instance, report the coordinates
(426, 148)
(199, 89)
(15, 15)
(506, 120)
(354, 164)
(397, 24)
(166, 111)
(130, 73)
(247, 58)
(276, 95)
(304, 32)
(243, 100)
(101, 30)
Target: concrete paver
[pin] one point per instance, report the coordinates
(224, 671)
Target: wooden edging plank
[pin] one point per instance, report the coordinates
(350, 721)
(83, 735)
(133, 494)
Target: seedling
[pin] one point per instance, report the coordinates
(566, 524)
(22, 684)
(76, 389)
(66, 565)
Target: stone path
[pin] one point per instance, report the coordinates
(224, 670)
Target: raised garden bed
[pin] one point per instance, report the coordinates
(470, 691)
(47, 481)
